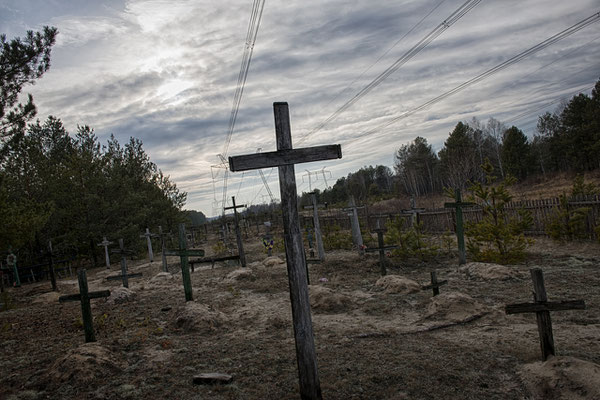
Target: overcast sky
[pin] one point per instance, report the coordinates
(165, 71)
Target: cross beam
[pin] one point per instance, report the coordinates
(435, 284)
(183, 254)
(86, 310)
(542, 307)
(381, 248)
(238, 233)
(285, 158)
(124, 275)
(460, 235)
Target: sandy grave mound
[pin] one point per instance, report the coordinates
(47, 298)
(562, 378)
(323, 299)
(102, 274)
(197, 317)
(88, 363)
(121, 295)
(161, 278)
(453, 307)
(256, 265)
(398, 284)
(273, 261)
(489, 271)
(242, 274)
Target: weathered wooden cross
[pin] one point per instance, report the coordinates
(86, 310)
(124, 275)
(11, 262)
(460, 234)
(414, 212)
(51, 267)
(284, 158)
(163, 247)
(106, 243)
(317, 225)
(238, 233)
(356, 234)
(435, 284)
(542, 307)
(149, 237)
(381, 248)
(183, 254)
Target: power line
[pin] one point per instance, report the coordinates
(421, 44)
(513, 60)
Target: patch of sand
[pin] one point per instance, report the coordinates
(397, 284)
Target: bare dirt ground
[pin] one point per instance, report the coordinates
(375, 339)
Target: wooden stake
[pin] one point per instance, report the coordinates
(238, 234)
(460, 236)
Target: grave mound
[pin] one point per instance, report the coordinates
(396, 284)
(161, 277)
(83, 365)
(562, 378)
(323, 299)
(273, 261)
(242, 274)
(121, 295)
(453, 307)
(256, 265)
(489, 271)
(103, 274)
(197, 317)
(47, 298)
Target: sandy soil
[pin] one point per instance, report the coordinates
(374, 339)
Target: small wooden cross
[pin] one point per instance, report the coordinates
(285, 158)
(381, 248)
(11, 262)
(435, 284)
(460, 235)
(542, 307)
(356, 234)
(124, 275)
(163, 248)
(149, 237)
(106, 243)
(414, 212)
(86, 310)
(183, 254)
(238, 234)
(317, 225)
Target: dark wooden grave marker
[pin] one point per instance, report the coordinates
(124, 275)
(285, 158)
(542, 307)
(106, 243)
(238, 233)
(51, 267)
(84, 296)
(183, 254)
(381, 248)
(435, 284)
(460, 235)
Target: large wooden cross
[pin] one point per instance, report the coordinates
(317, 225)
(284, 158)
(183, 252)
(86, 310)
(124, 275)
(356, 234)
(106, 243)
(460, 233)
(238, 233)
(542, 307)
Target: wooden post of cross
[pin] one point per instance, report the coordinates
(149, 237)
(460, 235)
(381, 248)
(183, 254)
(106, 243)
(284, 158)
(163, 247)
(542, 307)
(435, 284)
(238, 233)
(51, 267)
(317, 226)
(356, 234)
(11, 262)
(124, 275)
(84, 296)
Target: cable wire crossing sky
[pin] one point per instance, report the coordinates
(368, 75)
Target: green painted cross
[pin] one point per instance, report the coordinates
(542, 307)
(238, 233)
(435, 284)
(86, 310)
(184, 253)
(106, 243)
(460, 234)
(124, 275)
(285, 159)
